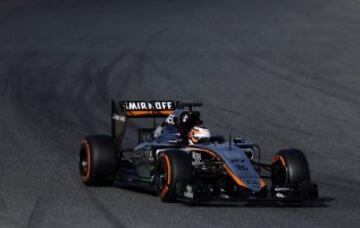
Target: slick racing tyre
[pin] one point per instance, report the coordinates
(173, 167)
(289, 168)
(97, 160)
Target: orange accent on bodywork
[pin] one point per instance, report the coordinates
(206, 151)
(227, 169)
(234, 177)
(262, 183)
(144, 113)
(88, 160)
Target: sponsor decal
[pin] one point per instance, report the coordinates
(196, 158)
(148, 105)
(118, 117)
(115, 117)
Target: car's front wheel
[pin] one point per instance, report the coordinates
(290, 175)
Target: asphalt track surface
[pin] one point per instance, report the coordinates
(283, 73)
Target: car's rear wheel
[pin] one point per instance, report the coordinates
(173, 167)
(97, 160)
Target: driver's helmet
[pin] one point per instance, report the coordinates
(199, 135)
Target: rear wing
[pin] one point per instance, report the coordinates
(121, 110)
(146, 109)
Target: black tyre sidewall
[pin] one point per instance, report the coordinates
(297, 167)
(103, 159)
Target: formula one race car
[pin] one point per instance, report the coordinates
(181, 161)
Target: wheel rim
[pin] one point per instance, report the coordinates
(163, 177)
(279, 174)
